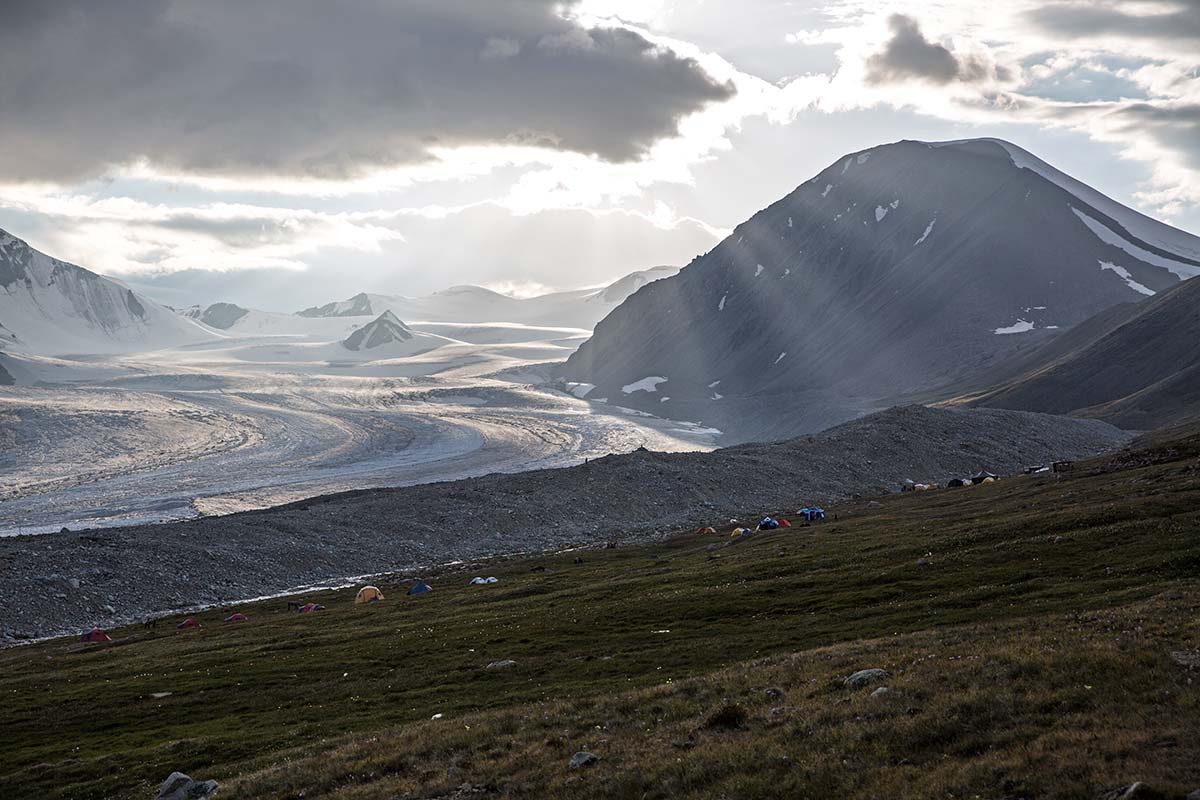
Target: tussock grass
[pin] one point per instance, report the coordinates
(1030, 657)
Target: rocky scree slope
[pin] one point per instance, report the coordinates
(61, 582)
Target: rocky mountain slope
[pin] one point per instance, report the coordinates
(896, 269)
(641, 494)
(1135, 365)
(50, 307)
(384, 330)
(581, 308)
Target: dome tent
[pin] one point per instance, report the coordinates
(368, 594)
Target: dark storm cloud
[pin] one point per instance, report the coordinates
(1179, 19)
(314, 88)
(908, 55)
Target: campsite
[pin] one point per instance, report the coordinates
(1039, 614)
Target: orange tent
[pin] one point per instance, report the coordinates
(368, 594)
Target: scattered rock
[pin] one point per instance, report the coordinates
(922, 562)
(865, 677)
(508, 662)
(1193, 795)
(881, 693)
(180, 787)
(729, 717)
(778, 711)
(584, 759)
(1187, 658)
(1134, 791)
(774, 693)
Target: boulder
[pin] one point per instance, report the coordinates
(865, 677)
(1134, 791)
(583, 759)
(881, 693)
(180, 787)
(508, 662)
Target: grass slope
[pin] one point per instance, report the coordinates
(1029, 652)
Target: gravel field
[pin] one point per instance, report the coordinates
(63, 582)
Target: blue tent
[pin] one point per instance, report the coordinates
(768, 524)
(814, 514)
(420, 587)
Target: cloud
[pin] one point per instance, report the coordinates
(306, 88)
(1166, 19)
(908, 55)
(1175, 127)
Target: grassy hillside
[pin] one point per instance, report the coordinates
(1028, 628)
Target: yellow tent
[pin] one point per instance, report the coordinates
(368, 594)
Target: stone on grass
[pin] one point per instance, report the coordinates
(881, 693)
(180, 787)
(1134, 791)
(508, 662)
(583, 759)
(865, 677)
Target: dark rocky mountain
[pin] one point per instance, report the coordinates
(895, 270)
(385, 329)
(219, 315)
(1135, 365)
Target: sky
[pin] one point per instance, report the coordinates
(285, 153)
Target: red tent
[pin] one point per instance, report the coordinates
(96, 635)
(187, 624)
(236, 617)
(308, 608)
(784, 523)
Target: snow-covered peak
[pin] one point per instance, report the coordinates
(50, 307)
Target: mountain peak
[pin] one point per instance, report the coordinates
(384, 329)
(893, 270)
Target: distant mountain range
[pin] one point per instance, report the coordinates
(896, 269)
(50, 307)
(580, 308)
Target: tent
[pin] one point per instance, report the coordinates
(236, 617)
(814, 514)
(96, 635)
(308, 608)
(703, 531)
(741, 532)
(983, 477)
(477, 581)
(783, 523)
(187, 624)
(368, 594)
(767, 524)
(420, 587)
(956, 483)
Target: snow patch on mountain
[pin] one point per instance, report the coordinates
(925, 235)
(1124, 273)
(1020, 326)
(649, 384)
(1109, 236)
